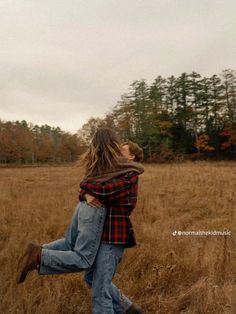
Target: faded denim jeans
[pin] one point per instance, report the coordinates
(80, 250)
(106, 297)
(77, 250)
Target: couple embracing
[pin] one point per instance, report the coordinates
(100, 228)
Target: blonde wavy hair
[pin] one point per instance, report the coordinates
(103, 153)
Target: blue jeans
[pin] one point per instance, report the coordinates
(81, 250)
(106, 297)
(77, 250)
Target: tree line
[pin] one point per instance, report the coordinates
(188, 116)
(176, 117)
(22, 142)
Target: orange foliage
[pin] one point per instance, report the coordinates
(229, 132)
(202, 143)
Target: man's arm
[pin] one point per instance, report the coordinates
(109, 191)
(82, 195)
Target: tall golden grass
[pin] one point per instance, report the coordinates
(163, 273)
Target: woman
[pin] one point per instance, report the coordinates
(118, 195)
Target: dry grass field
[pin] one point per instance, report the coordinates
(163, 273)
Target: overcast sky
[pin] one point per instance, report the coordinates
(63, 61)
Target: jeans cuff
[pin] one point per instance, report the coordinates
(44, 262)
(124, 301)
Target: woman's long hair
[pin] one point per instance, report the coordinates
(103, 153)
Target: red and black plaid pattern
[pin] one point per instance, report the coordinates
(119, 195)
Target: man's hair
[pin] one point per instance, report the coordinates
(135, 150)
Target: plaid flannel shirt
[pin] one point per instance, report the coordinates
(119, 195)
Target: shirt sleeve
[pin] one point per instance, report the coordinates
(112, 189)
(82, 195)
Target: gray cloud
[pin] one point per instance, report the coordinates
(64, 61)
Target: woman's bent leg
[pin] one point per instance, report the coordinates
(58, 262)
(88, 223)
(67, 243)
(104, 268)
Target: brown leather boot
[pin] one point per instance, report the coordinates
(134, 309)
(29, 261)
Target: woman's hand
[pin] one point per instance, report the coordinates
(92, 201)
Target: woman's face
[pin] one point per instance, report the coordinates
(126, 152)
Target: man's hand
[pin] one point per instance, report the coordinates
(92, 201)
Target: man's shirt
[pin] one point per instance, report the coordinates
(119, 195)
